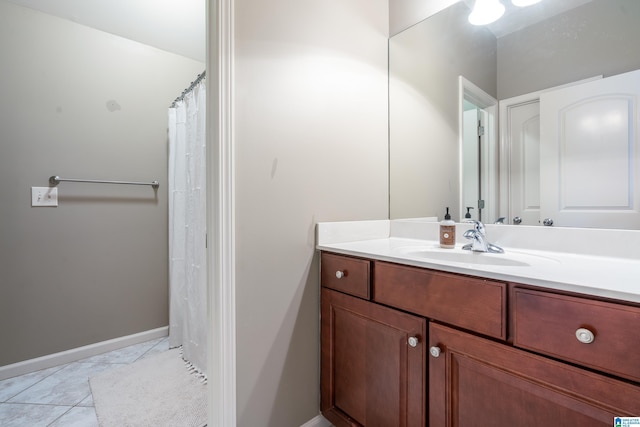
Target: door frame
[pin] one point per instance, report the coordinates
(488, 104)
(221, 351)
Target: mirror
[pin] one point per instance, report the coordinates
(529, 50)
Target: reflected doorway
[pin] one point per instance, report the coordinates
(478, 153)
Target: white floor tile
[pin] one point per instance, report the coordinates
(12, 386)
(61, 396)
(160, 347)
(19, 415)
(88, 401)
(68, 386)
(77, 417)
(124, 355)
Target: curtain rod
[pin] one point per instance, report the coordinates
(189, 89)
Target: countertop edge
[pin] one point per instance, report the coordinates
(615, 290)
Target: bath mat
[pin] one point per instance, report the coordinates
(156, 391)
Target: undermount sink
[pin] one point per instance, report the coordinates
(459, 256)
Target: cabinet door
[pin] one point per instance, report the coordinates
(477, 382)
(373, 364)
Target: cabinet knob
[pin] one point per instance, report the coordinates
(585, 336)
(341, 274)
(413, 341)
(435, 351)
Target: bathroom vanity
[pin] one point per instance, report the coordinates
(413, 338)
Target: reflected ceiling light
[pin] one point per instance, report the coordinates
(523, 3)
(485, 12)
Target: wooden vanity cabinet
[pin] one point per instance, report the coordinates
(383, 366)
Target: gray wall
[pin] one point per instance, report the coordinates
(405, 13)
(597, 38)
(310, 136)
(423, 116)
(77, 102)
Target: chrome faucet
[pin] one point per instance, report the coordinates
(478, 240)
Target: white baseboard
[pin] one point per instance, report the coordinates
(68, 356)
(318, 421)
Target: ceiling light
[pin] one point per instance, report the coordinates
(523, 3)
(485, 12)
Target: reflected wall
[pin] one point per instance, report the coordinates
(424, 64)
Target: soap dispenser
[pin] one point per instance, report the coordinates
(447, 232)
(468, 214)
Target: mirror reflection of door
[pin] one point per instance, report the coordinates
(520, 156)
(474, 122)
(478, 153)
(523, 133)
(589, 153)
(579, 143)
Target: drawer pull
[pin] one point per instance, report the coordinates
(413, 341)
(585, 336)
(435, 351)
(341, 274)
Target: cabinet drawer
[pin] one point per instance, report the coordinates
(475, 304)
(345, 274)
(547, 323)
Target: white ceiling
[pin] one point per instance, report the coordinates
(177, 26)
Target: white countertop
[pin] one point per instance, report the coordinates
(589, 271)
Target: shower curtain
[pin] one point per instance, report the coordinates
(187, 228)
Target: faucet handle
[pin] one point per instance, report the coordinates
(477, 226)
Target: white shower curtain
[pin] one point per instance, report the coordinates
(187, 228)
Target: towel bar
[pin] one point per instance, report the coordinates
(55, 180)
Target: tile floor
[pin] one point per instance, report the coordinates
(61, 396)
